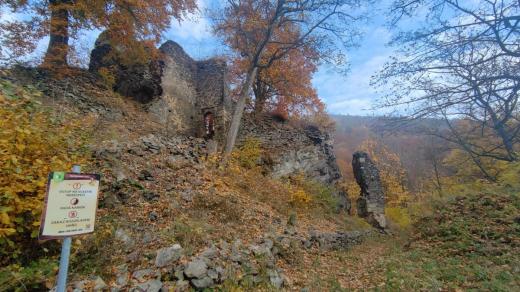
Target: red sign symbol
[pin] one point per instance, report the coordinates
(73, 214)
(76, 186)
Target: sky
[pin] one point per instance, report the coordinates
(349, 94)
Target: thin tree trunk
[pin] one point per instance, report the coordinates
(57, 51)
(239, 110)
(437, 176)
(260, 98)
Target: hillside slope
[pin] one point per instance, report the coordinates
(169, 216)
(166, 204)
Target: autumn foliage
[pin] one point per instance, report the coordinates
(285, 86)
(283, 81)
(33, 142)
(61, 19)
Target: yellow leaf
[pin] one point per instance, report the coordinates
(4, 219)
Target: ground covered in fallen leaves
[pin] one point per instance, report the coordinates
(161, 189)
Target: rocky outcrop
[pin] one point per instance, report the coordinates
(290, 149)
(371, 202)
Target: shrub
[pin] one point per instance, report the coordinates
(32, 143)
(399, 216)
(300, 197)
(107, 76)
(249, 153)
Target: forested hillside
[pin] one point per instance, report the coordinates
(129, 161)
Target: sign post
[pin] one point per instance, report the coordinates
(70, 209)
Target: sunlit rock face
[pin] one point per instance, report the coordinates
(291, 149)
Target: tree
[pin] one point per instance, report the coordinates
(63, 19)
(265, 31)
(463, 63)
(284, 86)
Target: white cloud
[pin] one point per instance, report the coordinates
(195, 26)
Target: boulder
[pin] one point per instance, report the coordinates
(202, 283)
(275, 278)
(122, 236)
(167, 256)
(148, 286)
(99, 284)
(371, 202)
(196, 269)
(143, 275)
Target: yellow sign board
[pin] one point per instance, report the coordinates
(70, 205)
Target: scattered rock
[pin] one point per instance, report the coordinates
(179, 273)
(99, 284)
(148, 286)
(150, 196)
(122, 236)
(196, 269)
(151, 143)
(213, 274)
(236, 254)
(187, 195)
(176, 162)
(275, 278)
(290, 230)
(210, 252)
(108, 149)
(202, 283)
(291, 221)
(143, 275)
(182, 285)
(79, 285)
(167, 256)
(145, 175)
(153, 216)
(133, 257)
(120, 175)
(122, 275)
(148, 237)
(337, 240)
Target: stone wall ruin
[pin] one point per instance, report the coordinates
(178, 91)
(190, 98)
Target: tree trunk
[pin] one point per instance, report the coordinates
(506, 140)
(57, 51)
(239, 110)
(260, 96)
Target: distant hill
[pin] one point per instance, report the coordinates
(410, 140)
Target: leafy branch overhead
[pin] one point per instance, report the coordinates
(461, 65)
(64, 19)
(264, 32)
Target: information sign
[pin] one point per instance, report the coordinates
(70, 205)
